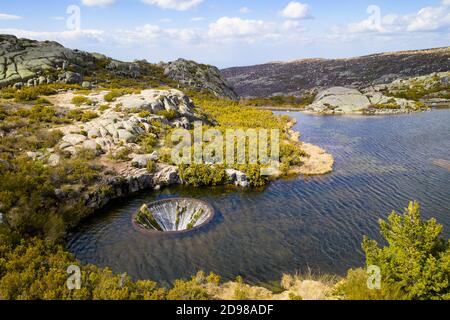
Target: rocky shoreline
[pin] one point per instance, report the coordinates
(402, 96)
(131, 180)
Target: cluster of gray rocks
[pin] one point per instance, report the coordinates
(199, 76)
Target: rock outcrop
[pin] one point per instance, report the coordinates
(115, 130)
(26, 62)
(237, 178)
(291, 78)
(31, 62)
(200, 76)
(341, 100)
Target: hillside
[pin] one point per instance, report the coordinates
(26, 62)
(291, 78)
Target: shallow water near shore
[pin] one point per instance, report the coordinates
(292, 225)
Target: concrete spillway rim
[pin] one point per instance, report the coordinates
(138, 227)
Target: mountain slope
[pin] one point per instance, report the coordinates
(291, 78)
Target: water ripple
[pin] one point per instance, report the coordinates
(295, 224)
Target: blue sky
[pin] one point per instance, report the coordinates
(228, 32)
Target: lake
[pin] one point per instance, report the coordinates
(292, 225)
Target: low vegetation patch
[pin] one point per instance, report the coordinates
(199, 175)
(81, 115)
(281, 101)
(82, 100)
(116, 93)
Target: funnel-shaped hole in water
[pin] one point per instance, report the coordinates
(173, 215)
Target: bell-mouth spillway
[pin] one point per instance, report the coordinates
(173, 215)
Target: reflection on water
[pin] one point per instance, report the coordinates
(381, 164)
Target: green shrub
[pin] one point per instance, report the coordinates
(169, 114)
(291, 153)
(415, 263)
(37, 270)
(213, 278)
(27, 94)
(228, 115)
(88, 116)
(151, 166)
(81, 100)
(389, 105)
(354, 287)
(147, 142)
(4, 113)
(188, 290)
(118, 107)
(253, 173)
(281, 101)
(122, 154)
(103, 107)
(38, 114)
(7, 93)
(240, 292)
(294, 296)
(116, 93)
(202, 175)
(144, 114)
(43, 101)
(32, 208)
(80, 115)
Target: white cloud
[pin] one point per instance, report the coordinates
(153, 34)
(225, 29)
(63, 36)
(290, 25)
(179, 5)
(5, 16)
(197, 19)
(98, 3)
(246, 10)
(428, 19)
(228, 28)
(296, 10)
(253, 31)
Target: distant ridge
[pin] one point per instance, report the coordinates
(296, 76)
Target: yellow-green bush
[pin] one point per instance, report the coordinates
(169, 114)
(82, 100)
(415, 263)
(81, 115)
(148, 142)
(116, 93)
(27, 94)
(202, 175)
(151, 166)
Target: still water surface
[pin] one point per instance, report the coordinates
(295, 224)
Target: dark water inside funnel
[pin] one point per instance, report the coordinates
(296, 224)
